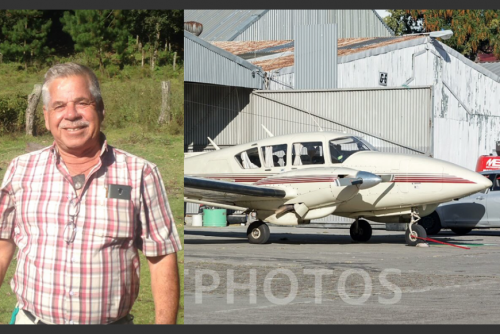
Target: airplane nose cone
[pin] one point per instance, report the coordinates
(369, 180)
(482, 181)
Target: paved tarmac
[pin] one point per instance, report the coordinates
(319, 276)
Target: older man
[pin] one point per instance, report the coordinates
(78, 211)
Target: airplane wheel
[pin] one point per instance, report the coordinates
(417, 231)
(364, 232)
(258, 233)
(431, 223)
(461, 231)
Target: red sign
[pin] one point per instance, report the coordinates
(487, 162)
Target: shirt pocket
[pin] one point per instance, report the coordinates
(115, 219)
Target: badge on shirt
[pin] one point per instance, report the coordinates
(119, 191)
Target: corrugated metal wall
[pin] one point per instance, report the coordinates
(213, 111)
(282, 79)
(316, 56)
(393, 120)
(191, 208)
(203, 64)
(222, 25)
(278, 24)
(493, 67)
(466, 101)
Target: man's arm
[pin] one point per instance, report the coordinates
(7, 248)
(165, 287)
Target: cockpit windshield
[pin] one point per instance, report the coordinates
(344, 147)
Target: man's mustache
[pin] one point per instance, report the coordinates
(75, 124)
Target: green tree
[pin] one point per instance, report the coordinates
(155, 28)
(474, 30)
(403, 23)
(97, 33)
(24, 35)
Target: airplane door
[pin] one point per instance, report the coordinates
(493, 203)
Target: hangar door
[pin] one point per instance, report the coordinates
(395, 120)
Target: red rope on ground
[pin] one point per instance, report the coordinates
(441, 242)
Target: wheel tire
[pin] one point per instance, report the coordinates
(418, 231)
(364, 232)
(431, 223)
(258, 233)
(461, 231)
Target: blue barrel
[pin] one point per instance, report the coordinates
(214, 217)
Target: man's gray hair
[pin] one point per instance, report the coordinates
(69, 69)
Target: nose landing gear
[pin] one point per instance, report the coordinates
(415, 231)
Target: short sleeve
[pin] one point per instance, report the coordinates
(158, 231)
(7, 204)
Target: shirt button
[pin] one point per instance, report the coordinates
(71, 322)
(71, 293)
(74, 259)
(17, 230)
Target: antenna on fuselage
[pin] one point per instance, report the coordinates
(320, 129)
(268, 132)
(214, 144)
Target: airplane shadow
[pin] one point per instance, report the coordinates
(229, 238)
(224, 237)
(286, 238)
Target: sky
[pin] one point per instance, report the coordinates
(382, 12)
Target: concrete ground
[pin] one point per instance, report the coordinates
(318, 275)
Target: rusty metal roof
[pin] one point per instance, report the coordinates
(276, 54)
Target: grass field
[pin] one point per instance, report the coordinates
(155, 145)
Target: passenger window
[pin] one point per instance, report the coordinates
(308, 153)
(249, 159)
(274, 155)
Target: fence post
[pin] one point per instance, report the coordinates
(165, 106)
(175, 58)
(33, 99)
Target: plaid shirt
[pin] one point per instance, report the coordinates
(95, 278)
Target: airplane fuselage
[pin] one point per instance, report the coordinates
(311, 167)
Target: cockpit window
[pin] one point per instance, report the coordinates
(249, 159)
(342, 148)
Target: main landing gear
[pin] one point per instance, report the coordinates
(361, 230)
(415, 231)
(258, 232)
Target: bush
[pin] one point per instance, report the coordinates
(132, 96)
(12, 113)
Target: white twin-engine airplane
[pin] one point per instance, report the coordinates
(292, 179)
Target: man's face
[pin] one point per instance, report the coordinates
(71, 116)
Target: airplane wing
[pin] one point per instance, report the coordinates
(297, 191)
(232, 187)
(207, 191)
(224, 192)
